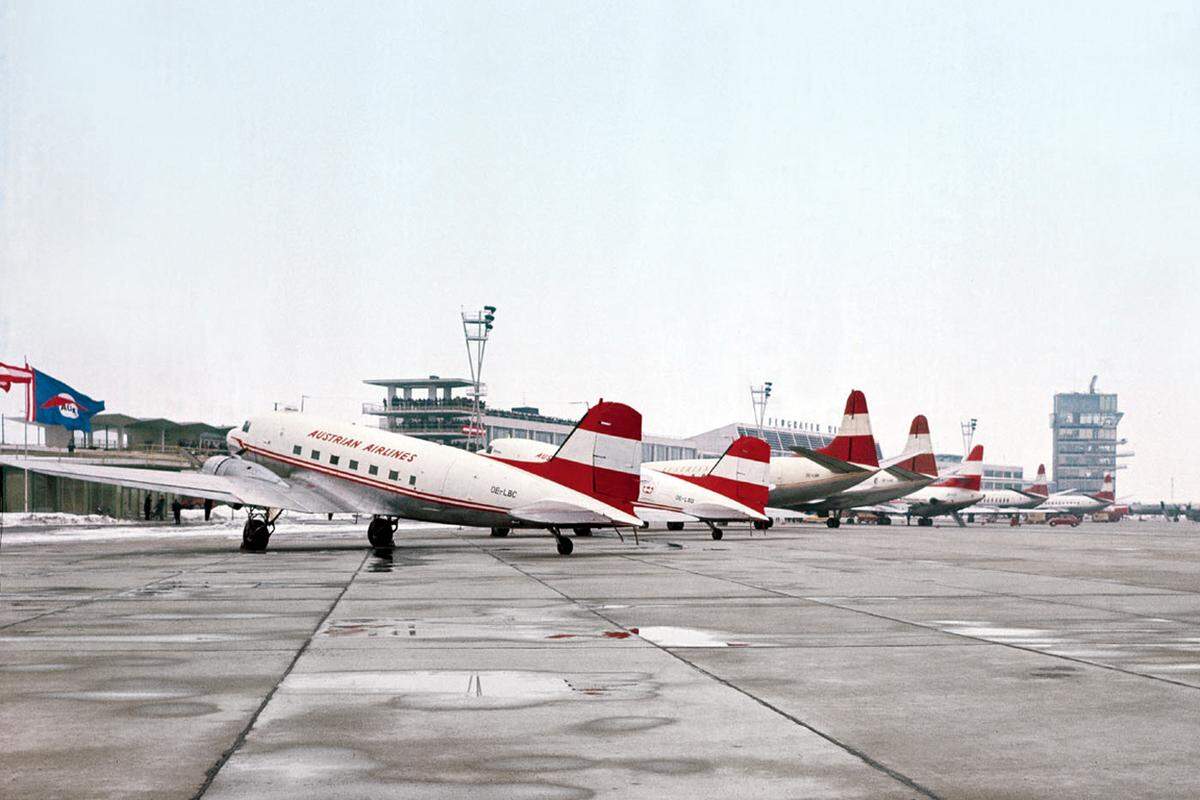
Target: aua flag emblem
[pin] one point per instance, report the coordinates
(56, 403)
(66, 405)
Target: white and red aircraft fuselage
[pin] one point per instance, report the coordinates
(289, 461)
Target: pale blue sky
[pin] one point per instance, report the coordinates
(960, 208)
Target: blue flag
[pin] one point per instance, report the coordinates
(55, 403)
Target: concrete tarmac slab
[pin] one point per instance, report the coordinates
(866, 662)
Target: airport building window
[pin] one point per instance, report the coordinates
(353, 464)
(316, 455)
(393, 475)
(373, 470)
(334, 460)
(297, 450)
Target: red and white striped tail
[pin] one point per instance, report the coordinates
(970, 476)
(602, 457)
(918, 450)
(1040, 486)
(741, 473)
(1108, 493)
(854, 442)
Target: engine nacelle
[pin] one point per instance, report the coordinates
(232, 466)
(521, 449)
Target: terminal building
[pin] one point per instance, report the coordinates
(440, 409)
(1084, 426)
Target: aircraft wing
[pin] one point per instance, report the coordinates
(231, 489)
(828, 462)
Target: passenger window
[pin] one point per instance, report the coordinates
(296, 450)
(246, 426)
(316, 454)
(412, 480)
(393, 476)
(334, 460)
(353, 464)
(374, 470)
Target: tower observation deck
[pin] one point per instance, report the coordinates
(427, 408)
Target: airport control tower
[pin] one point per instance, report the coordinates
(1085, 439)
(439, 415)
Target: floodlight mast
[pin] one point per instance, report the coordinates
(476, 328)
(759, 395)
(968, 435)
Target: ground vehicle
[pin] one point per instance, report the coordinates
(1065, 519)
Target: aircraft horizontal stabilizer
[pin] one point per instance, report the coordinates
(830, 463)
(561, 513)
(659, 515)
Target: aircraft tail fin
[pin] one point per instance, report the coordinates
(741, 473)
(970, 474)
(1040, 486)
(973, 469)
(854, 441)
(918, 450)
(1107, 493)
(601, 457)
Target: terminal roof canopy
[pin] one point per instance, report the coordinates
(422, 383)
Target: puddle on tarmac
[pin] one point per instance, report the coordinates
(501, 630)
(1002, 634)
(174, 616)
(120, 696)
(668, 636)
(36, 667)
(445, 689)
(163, 638)
(1054, 672)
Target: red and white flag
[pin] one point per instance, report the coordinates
(10, 375)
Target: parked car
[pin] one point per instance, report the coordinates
(1065, 519)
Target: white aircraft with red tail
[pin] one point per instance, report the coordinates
(732, 488)
(855, 445)
(289, 461)
(1001, 501)
(1072, 502)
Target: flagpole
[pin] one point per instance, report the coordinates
(28, 392)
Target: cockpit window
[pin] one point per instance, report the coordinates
(246, 426)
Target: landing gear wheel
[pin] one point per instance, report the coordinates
(674, 526)
(565, 546)
(379, 533)
(833, 522)
(255, 535)
(762, 526)
(717, 533)
(500, 532)
(885, 520)
(925, 522)
(582, 530)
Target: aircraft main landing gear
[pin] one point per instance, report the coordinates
(500, 532)
(833, 522)
(565, 545)
(582, 530)
(674, 526)
(256, 533)
(717, 533)
(380, 533)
